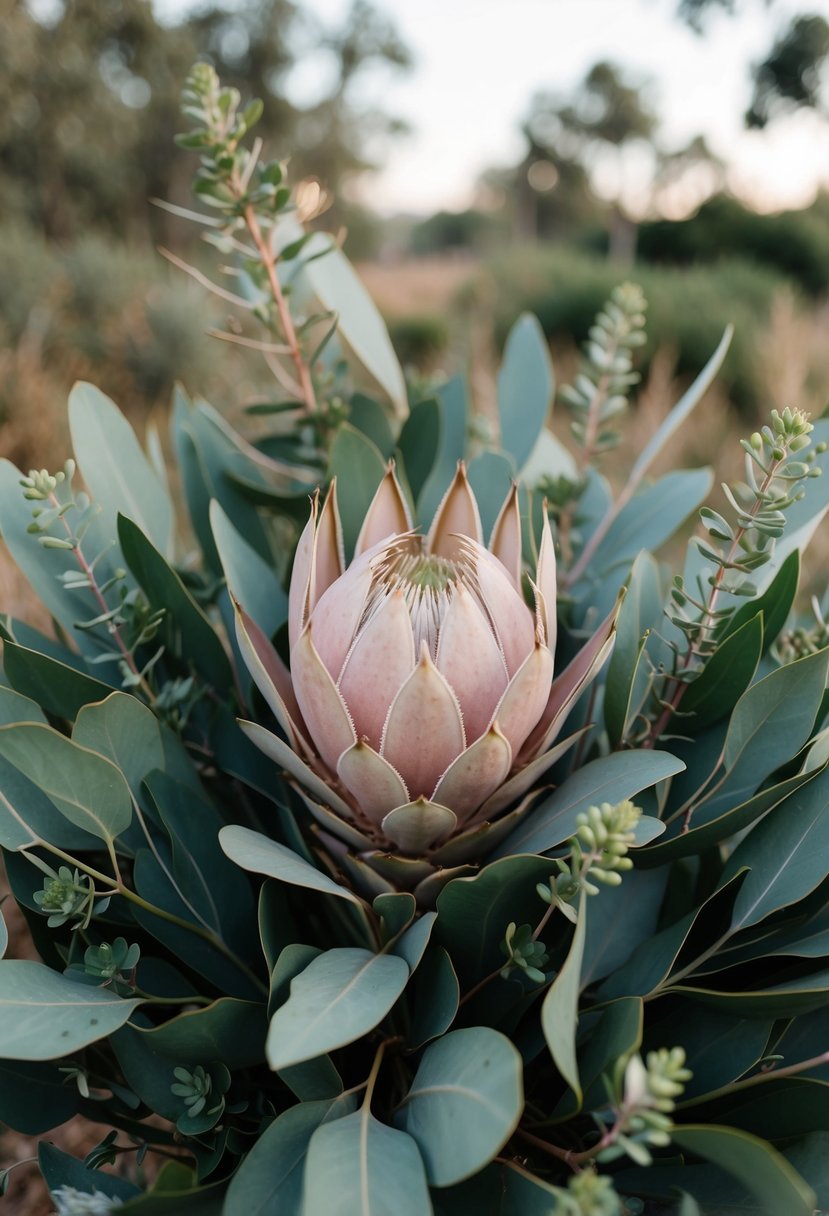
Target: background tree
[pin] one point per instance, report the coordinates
(89, 101)
(790, 75)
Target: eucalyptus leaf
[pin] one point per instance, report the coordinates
(358, 1165)
(359, 468)
(125, 731)
(464, 1102)
(559, 1012)
(785, 854)
(59, 688)
(269, 1182)
(185, 628)
(525, 388)
(725, 677)
(453, 398)
(257, 853)
(627, 674)
(250, 579)
(44, 1015)
(34, 1096)
(770, 723)
(490, 475)
(120, 477)
(339, 997)
(86, 788)
(59, 1169)
(759, 1167)
(609, 779)
(14, 707)
(419, 443)
(334, 281)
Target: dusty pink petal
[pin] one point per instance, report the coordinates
(320, 703)
(381, 660)
(475, 774)
(327, 559)
(521, 781)
(388, 514)
(377, 787)
(523, 702)
(271, 677)
(423, 732)
(337, 615)
(568, 686)
(456, 516)
(301, 575)
(418, 826)
(546, 579)
(510, 616)
(471, 660)
(505, 541)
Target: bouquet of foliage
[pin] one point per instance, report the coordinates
(398, 833)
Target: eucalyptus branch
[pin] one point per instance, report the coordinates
(251, 198)
(117, 886)
(597, 397)
(738, 549)
(638, 1117)
(55, 491)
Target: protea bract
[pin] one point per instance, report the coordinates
(420, 707)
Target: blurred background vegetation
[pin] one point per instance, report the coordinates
(88, 106)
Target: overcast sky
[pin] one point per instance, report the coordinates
(478, 62)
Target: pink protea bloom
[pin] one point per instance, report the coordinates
(420, 701)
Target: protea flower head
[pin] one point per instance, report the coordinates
(420, 705)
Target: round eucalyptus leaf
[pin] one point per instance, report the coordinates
(464, 1103)
(125, 731)
(44, 1015)
(86, 788)
(340, 996)
(358, 1166)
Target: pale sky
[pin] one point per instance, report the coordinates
(478, 62)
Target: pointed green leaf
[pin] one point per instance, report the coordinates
(185, 628)
(336, 284)
(725, 677)
(785, 855)
(760, 1168)
(119, 475)
(525, 388)
(250, 579)
(260, 855)
(560, 1011)
(269, 1180)
(359, 469)
(340, 996)
(628, 675)
(609, 779)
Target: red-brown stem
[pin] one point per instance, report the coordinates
(716, 590)
(285, 319)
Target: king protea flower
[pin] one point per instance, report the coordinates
(420, 705)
